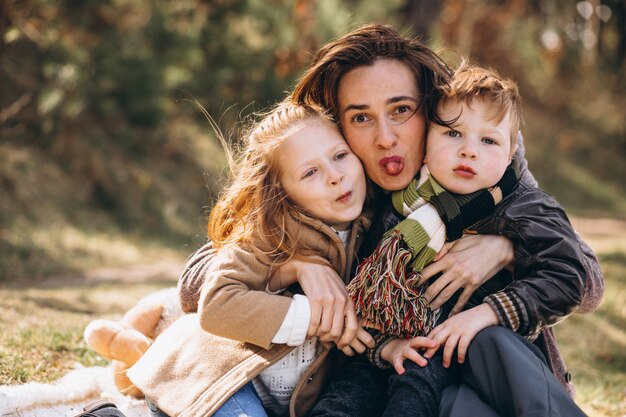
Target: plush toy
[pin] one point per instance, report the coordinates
(124, 341)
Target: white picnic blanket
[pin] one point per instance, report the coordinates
(67, 396)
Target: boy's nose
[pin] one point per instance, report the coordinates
(468, 151)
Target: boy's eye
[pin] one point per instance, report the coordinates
(453, 133)
(489, 141)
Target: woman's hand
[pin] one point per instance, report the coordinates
(398, 350)
(458, 331)
(362, 341)
(332, 311)
(466, 263)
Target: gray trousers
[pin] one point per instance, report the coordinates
(506, 375)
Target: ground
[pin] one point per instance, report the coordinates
(41, 324)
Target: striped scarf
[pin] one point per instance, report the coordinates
(386, 289)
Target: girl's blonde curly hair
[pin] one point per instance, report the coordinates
(253, 207)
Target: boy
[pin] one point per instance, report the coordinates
(470, 144)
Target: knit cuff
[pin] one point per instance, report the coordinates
(510, 310)
(296, 323)
(373, 354)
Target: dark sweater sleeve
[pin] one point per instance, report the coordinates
(192, 279)
(549, 275)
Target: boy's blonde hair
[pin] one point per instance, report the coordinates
(501, 95)
(253, 208)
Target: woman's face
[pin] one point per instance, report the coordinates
(378, 114)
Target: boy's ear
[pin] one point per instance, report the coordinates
(513, 150)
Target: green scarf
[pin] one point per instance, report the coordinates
(387, 289)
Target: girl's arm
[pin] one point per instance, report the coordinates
(233, 302)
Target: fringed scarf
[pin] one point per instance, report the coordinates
(387, 289)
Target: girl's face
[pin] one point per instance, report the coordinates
(378, 112)
(474, 153)
(321, 175)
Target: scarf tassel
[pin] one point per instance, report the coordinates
(386, 291)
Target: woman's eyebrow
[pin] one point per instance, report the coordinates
(390, 100)
(396, 99)
(356, 107)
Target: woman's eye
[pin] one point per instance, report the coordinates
(360, 118)
(453, 133)
(403, 109)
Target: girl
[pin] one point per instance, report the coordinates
(298, 191)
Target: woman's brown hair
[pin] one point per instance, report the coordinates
(319, 85)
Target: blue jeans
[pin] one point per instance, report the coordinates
(243, 403)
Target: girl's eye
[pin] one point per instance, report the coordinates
(309, 173)
(453, 133)
(341, 155)
(489, 141)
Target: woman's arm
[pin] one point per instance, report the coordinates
(192, 279)
(549, 276)
(594, 283)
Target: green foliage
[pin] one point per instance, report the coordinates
(93, 124)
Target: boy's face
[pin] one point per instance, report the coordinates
(321, 175)
(473, 154)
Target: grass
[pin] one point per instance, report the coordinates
(594, 345)
(41, 324)
(42, 328)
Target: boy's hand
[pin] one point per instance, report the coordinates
(459, 330)
(397, 350)
(362, 341)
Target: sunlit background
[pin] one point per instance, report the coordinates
(107, 162)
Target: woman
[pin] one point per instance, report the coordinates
(365, 80)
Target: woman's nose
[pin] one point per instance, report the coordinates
(385, 135)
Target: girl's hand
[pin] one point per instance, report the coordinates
(362, 341)
(466, 263)
(396, 351)
(332, 311)
(459, 330)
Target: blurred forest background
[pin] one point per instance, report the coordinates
(105, 161)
